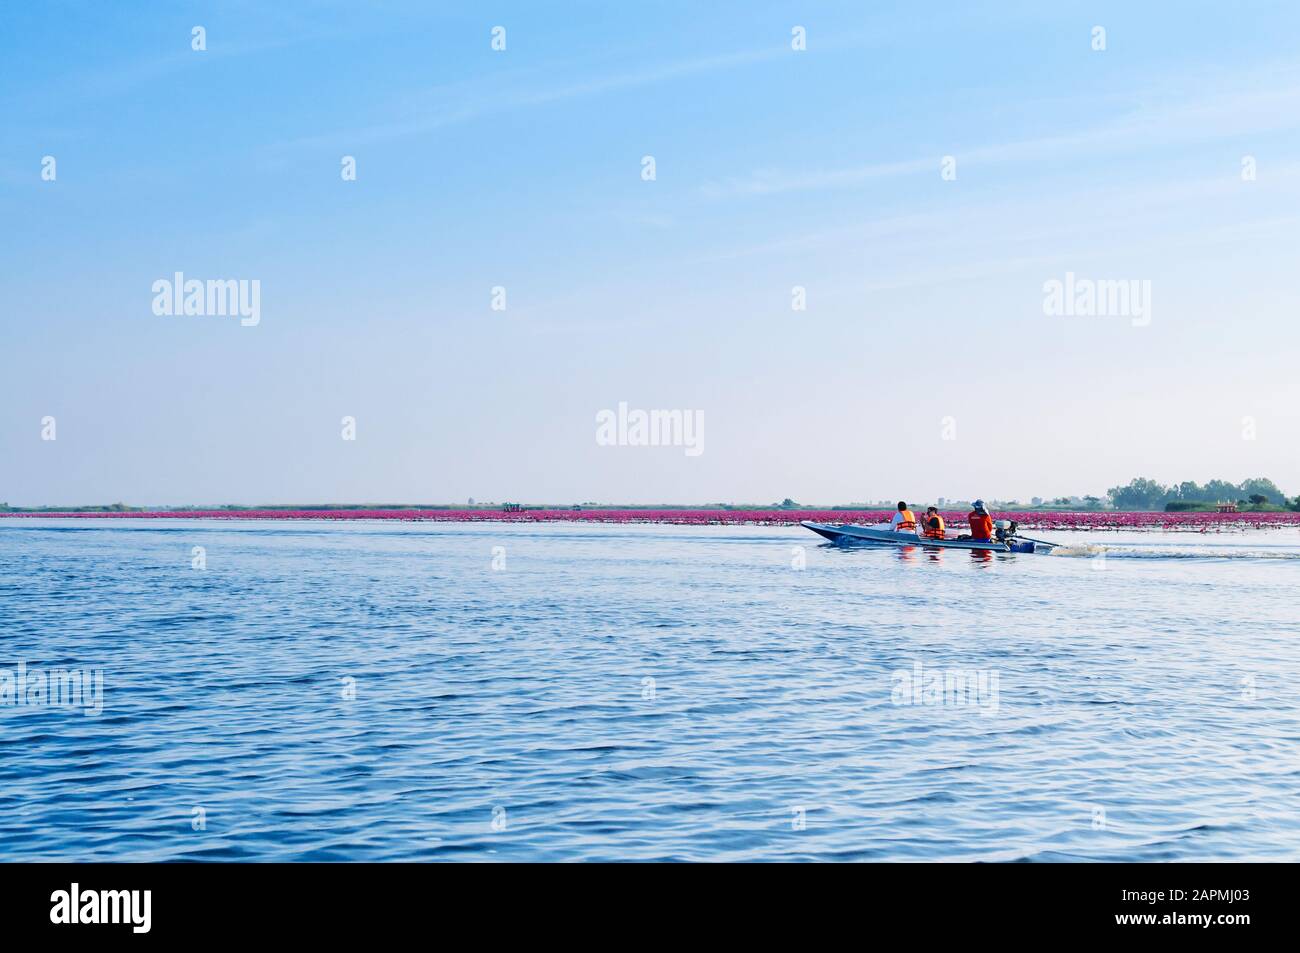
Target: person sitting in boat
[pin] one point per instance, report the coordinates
(981, 523)
(904, 520)
(933, 523)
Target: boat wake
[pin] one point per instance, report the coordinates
(1175, 552)
(1083, 551)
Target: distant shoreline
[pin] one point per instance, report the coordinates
(1029, 519)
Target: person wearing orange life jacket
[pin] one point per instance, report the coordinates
(904, 520)
(932, 526)
(981, 523)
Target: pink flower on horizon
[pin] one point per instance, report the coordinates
(1035, 520)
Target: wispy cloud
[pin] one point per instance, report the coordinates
(1032, 229)
(117, 79)
(1257, 109)
(771, 181)
(468, 100)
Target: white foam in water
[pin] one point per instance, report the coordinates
(1080, 550)
(1200, 552)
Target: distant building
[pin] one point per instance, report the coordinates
(1226, 507)
(1036, 501)
(512, 507)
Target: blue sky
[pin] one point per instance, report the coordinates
(775, 168)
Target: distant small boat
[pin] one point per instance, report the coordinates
(1008, 542)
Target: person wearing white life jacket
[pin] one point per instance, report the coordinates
(904, 520)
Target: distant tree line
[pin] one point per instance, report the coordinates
(1144, 494)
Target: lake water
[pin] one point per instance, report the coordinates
(381, 691)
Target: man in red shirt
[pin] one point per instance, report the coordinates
(981, 523)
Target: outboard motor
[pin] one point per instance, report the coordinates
(1005, 531)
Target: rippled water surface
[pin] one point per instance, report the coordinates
(645, 692)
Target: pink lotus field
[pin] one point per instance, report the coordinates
(1038, 520)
